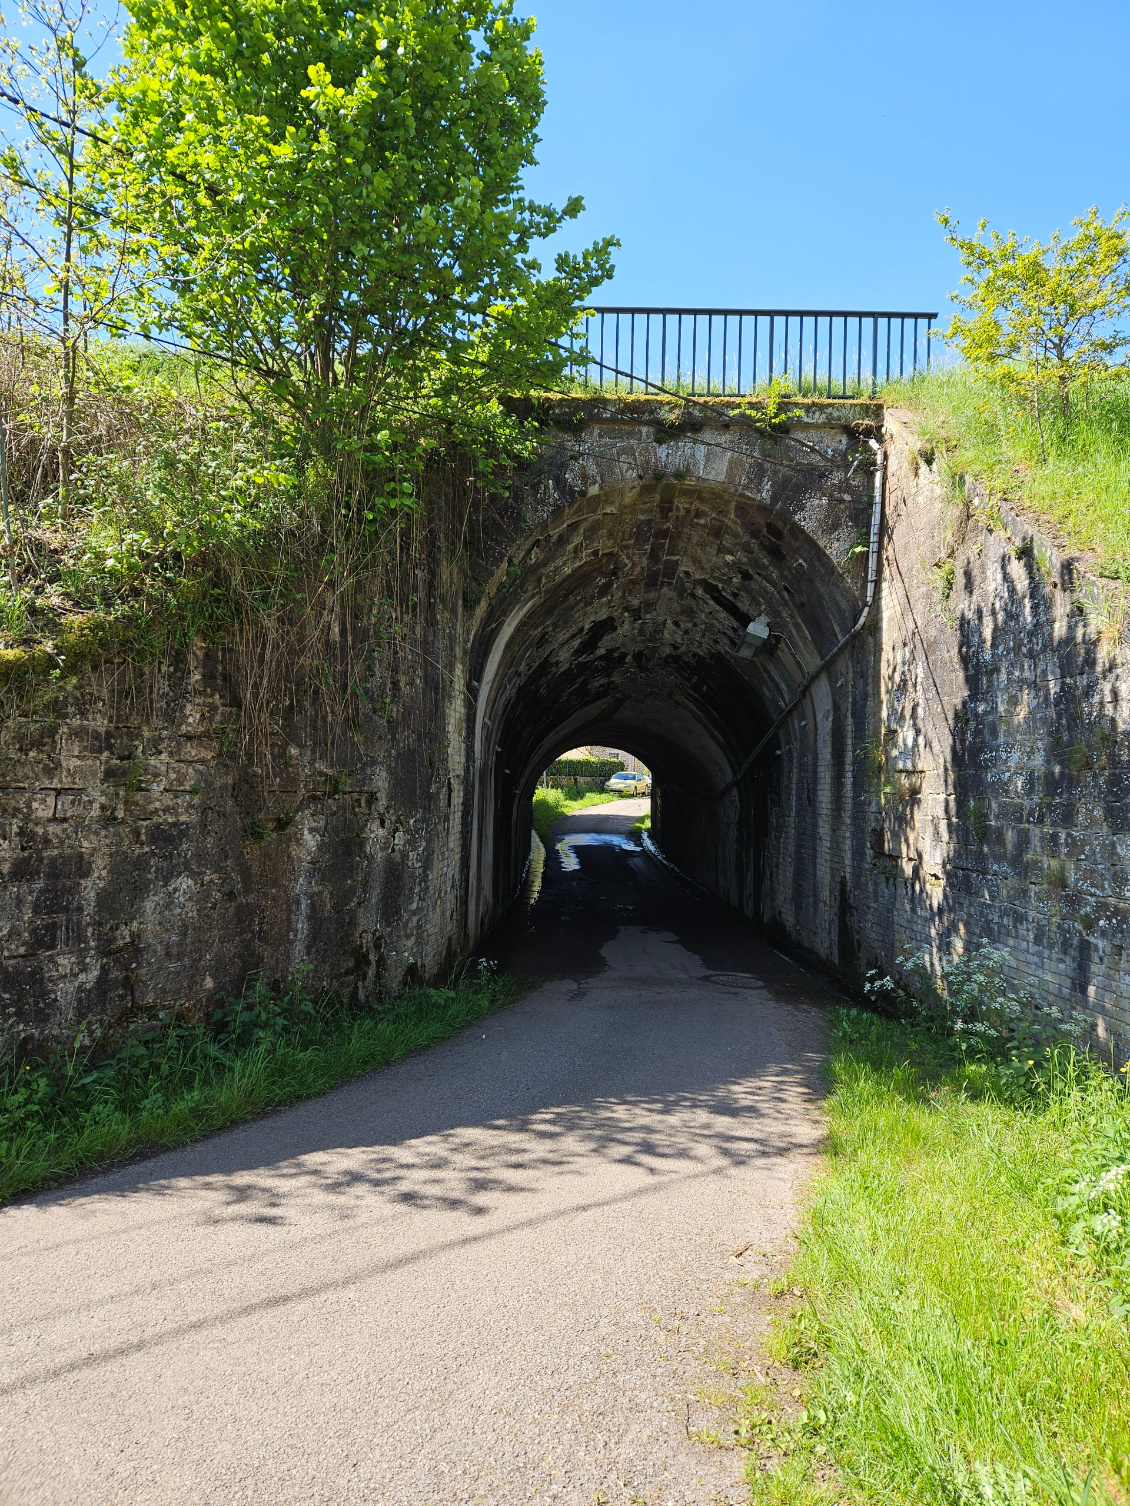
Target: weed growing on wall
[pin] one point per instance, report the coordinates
(170, 1080)
(192, 518)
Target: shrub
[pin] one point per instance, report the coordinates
(586, 768)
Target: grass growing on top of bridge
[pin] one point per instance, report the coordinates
(551, 804)
(174, 1081)
(964, 1273)
(1081, 485)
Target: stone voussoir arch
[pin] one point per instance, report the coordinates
(651, 534)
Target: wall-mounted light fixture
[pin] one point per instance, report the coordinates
(756, 637)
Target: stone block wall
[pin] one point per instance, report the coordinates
(143, 860)
(962, 773)
(981, 791)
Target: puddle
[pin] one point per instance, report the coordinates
(535, 868)
(570, 862)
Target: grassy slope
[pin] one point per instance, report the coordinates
(77, 1111)
(1083, 487)
(550, 805)
(957, 1350)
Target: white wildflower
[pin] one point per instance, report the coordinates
(1109, 1182)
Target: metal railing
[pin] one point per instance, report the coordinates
(737, 352)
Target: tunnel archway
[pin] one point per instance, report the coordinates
(617, 620)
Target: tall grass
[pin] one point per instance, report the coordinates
(1081, 484)
(551, 804)
(172, 1080)
(965, 1278)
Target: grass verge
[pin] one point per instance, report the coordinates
(963, 1281)
(1081, 484)
(550, 805)
(173, 1081)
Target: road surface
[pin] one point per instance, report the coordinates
(503, 1271)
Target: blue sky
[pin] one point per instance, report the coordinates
(749, 153)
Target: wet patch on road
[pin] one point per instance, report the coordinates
(567, 847)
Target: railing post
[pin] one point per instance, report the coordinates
(829, 355)
(874, 354)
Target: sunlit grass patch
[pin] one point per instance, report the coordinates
(1081, 485)
(962, 1328)
(553, 803)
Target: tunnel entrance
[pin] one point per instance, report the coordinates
(623, 618)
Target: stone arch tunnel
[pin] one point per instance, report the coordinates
(918, 796)
(649, 544)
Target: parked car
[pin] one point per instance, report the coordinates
(629, 784)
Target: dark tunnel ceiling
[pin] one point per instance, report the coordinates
(624, 628)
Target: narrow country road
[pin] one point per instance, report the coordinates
(502, 1271)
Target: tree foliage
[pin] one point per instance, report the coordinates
(66, 266)
(1036, 314)
(332, 195)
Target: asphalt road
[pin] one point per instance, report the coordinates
(504, 1271)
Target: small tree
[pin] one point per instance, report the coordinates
(334, 195)
(67, 265)
(1043, 314)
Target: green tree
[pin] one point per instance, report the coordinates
(67, 266)
(1036, 315)
(333, 197)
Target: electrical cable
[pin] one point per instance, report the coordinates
(809, 680)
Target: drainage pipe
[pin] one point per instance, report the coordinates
(860, 624)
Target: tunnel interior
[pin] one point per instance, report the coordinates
(619, 623)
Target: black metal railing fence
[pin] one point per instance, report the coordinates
(738, 352)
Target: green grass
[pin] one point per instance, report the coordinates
(173, 1081)
(979, 429)
(550, 805)
(965, 1271)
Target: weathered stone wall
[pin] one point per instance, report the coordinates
(982, 794)
(143, 860)
(962, 773)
